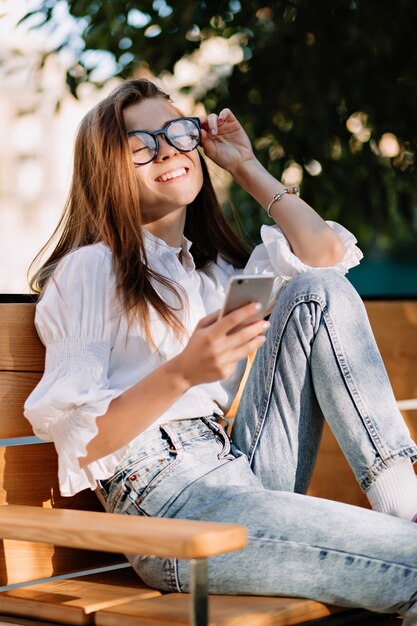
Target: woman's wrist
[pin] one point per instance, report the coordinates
(257, 181)
(177, 373)
(244, 171)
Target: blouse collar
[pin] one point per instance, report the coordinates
(158, 247)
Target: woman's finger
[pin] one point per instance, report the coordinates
(246, 333)
(233, 356)
(238, 316)
(209, 319)
(209, 124)
(226, 115)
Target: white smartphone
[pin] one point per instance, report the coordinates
(244, 288)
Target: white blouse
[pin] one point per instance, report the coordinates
(92, 355)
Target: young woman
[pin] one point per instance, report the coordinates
(139, 367)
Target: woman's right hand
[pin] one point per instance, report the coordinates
(216, 346)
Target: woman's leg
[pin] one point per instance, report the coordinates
(320, 358)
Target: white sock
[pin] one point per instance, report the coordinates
(395, 491)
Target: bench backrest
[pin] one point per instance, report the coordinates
(28, 471)
(395, 328)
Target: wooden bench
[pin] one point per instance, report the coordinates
(46, 536)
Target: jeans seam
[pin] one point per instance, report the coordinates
(174, 574)
(332, 551)
(351, 387)
(270, 376)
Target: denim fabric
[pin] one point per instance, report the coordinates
(319, 362)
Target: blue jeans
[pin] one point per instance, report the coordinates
(320, 359)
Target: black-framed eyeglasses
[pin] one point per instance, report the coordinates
(182, 133)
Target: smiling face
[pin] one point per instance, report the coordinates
(173, 179)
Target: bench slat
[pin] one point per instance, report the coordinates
(394, 325)
(29, 475)
(20, 346)
(395, 328)
(74, 601)
(224, 611)
(14, 389)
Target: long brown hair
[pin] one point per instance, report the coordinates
(103, 205)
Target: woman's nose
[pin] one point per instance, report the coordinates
(165, 150)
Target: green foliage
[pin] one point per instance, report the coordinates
(307, 67)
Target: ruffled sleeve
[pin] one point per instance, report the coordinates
(276, 252)
(76, 319)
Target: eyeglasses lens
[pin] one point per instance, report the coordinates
(184, 135)
(143, 147)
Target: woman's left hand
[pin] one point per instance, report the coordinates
(224, 141)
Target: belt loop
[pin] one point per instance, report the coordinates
(222, 434)
(211, 421)
(174, 440)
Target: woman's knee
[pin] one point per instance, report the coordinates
(325, 289)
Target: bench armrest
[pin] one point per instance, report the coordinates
(108, 532)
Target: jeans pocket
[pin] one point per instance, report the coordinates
(142, 477)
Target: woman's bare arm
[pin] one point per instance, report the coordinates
(210, 355)
(311, 239)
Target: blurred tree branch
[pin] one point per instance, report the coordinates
(328, 86)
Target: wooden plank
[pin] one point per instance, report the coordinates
(14, 389)
(21, 621)
(163, 537)
(20, 347)
(394, 324)
(395, 328)
(29, 475)
(173, 609)
(76, 600)
(410, 418)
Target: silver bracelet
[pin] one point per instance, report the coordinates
(277, 197)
